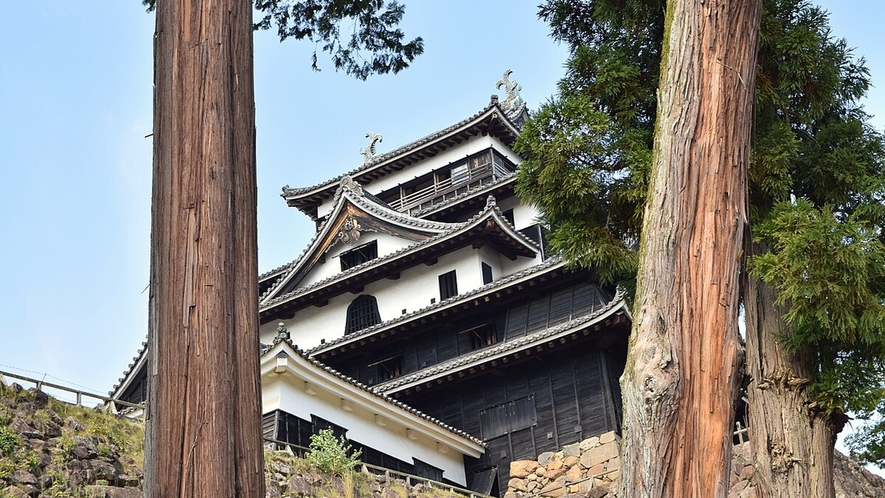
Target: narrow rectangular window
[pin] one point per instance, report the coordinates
(508, 215)
(484, 336)
(359, 255)
(460, 174)
(448, 285)
(389, 368)
(486, 274)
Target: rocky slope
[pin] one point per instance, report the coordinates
(52, 449)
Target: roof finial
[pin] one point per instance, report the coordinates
(512, 101)
(369, 151)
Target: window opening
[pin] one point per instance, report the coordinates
(362, 313)
(448, 285)
(460, 174)
(359, 255)
(508, 215)
(484, 336)
(486, 273)
(389, 368)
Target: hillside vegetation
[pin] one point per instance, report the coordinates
(52, 449)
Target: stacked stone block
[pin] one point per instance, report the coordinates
(576, 470)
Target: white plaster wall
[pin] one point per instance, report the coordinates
(509, 267)
(414, 290)
(523, 214)
(287, 393)
(311, 325)
(387, 244)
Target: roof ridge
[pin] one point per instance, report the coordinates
(283, 337)
(288, 191)
(506, 345)
(549, 262)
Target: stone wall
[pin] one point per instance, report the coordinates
(593, 465)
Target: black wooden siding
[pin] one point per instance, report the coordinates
(453, 338)
(137, 390)
(283, 426)
(573, 395)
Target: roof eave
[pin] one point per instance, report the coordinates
(304, 199)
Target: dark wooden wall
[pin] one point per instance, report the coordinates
(575, 394)
(453, 338)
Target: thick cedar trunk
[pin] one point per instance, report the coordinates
(681, 378)
(792, 444)
(203, 430)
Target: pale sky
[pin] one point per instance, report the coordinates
(75, 107)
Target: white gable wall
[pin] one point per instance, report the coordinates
(287, 393)
(387, 244)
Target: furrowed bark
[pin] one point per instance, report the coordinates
(682, 374)
(791, 442)
(203, 413)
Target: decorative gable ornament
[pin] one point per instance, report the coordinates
(348, 182)
(350, 231)
(282, 333)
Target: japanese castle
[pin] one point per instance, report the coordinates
(424, 320)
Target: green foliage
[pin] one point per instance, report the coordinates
(829, 269)
(9, 441)
(375, 46)
(332, 454)
(816, 179)
(587, 151)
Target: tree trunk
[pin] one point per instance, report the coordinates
(791, 442)
(203, 414)
(681, 378)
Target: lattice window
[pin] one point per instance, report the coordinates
(362, 313)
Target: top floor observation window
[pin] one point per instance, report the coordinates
(474, 172)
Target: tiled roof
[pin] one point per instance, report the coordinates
(351, 191)
(548, 264)
(142, 351)
(380, 159)
(370, 390)
(506, 346)
(490, 210)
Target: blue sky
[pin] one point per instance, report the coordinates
(75, 107)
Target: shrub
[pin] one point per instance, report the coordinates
(8, 441)
(331, 454)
